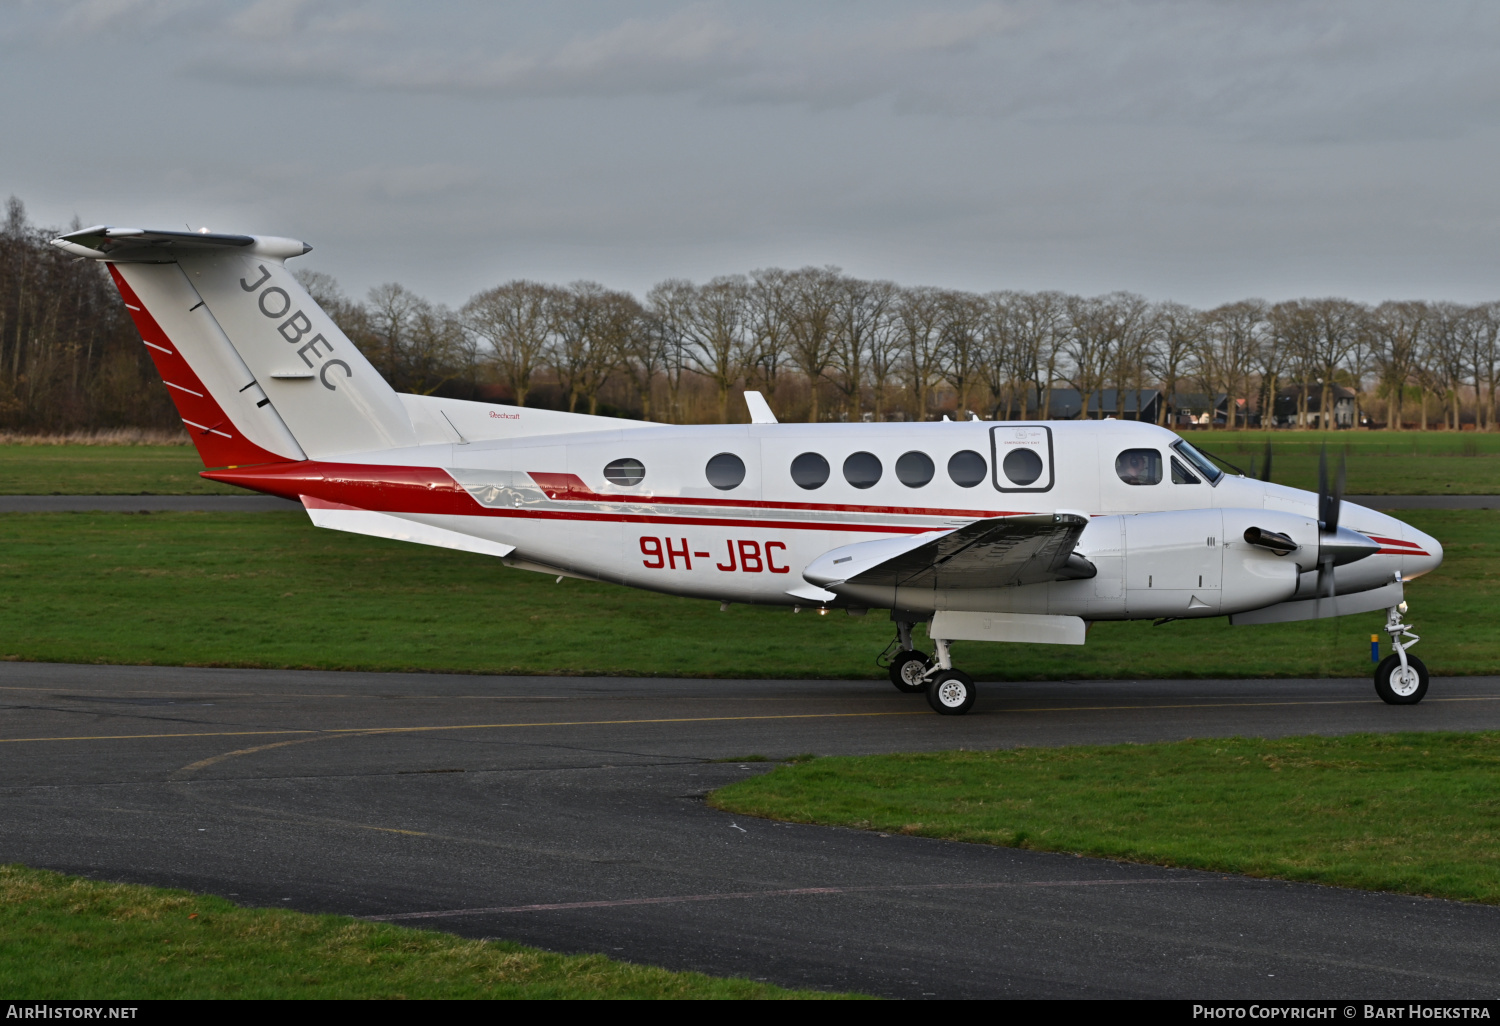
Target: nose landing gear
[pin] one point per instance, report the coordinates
(1401, 678)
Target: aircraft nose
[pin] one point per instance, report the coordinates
(1428, 559)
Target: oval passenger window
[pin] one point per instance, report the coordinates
(862, 469)
(914, 469)
(1022, 466)
(1139, 466)
(625, 471)
(810, 470)
(967, 468)
(725, 471)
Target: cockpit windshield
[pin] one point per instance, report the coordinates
(1200, 462)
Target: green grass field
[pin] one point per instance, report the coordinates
(105, 470)
(1415, 813)
(271, 590)
(65, 938)
(1380, 463)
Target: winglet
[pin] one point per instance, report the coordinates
(760, 410)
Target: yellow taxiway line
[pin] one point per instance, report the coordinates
(331, 731)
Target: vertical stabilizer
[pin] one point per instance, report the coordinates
(328, 394)
(272, 377)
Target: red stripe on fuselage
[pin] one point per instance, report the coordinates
(391, 489)
(566, 487)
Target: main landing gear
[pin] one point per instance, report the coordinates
(950, 692)
(1401, 678)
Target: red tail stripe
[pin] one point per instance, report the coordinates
(196, 407)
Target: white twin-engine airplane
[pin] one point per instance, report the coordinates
(984, 531)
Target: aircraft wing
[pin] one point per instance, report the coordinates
(992, 553)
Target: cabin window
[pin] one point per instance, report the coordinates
(625, 471)
(967, 468)
(914, 469)
(1181, 474)
(862, 469)
(725, 471)
(1139, 466)
(810, 470)
(1022, 466)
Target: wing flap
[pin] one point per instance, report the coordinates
(997, 552)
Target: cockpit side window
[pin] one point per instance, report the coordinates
(1181, 474)
(1139, 466)
(1199, 462)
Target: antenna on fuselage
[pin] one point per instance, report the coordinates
(760, 410)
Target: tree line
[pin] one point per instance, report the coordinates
(821, 345)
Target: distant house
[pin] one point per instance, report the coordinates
(1198, 409)
(1285, 412)
(1122, 404)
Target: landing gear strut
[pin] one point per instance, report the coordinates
(1401, 678)
(950, 692)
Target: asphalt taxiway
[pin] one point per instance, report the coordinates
(569, 813)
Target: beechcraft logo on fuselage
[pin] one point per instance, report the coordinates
(276, 303)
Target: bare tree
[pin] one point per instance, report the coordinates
(1336, 325)
(770, 304)
(1396, 330)
(1179, 334)
(717, 332)
(883, 349)
(814, 294)
(515, 319)
(1234, 335)
(919, 318)
(585, 342)
(963, 350)
(1089, 346)
(859, 318)
(670, 304)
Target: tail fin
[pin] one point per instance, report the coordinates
(273, 378)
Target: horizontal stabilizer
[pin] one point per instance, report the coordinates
(154, 245)
(338, 517)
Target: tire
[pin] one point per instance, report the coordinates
(951, 693)
(1396, 688)
(909, 672)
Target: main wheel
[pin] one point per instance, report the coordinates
(909, 671)
(1398, 686)
(951, 693)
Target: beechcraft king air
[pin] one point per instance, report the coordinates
(984, 531)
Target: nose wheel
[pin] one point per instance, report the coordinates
(1401, 678)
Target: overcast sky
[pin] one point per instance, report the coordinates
(1198, 151)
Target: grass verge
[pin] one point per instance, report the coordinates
(271, 590)
(64, 937)
(1414, 813)
(105, 470)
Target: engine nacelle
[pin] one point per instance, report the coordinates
(1198, 563)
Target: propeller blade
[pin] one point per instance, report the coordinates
(1323, 505)
(1338, 492)
(1265, 470)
